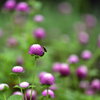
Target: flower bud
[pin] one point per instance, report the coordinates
(56, 67)
(17, 69)
(17, 93)
(24, 84)
(38, 18)
(90, 91)
(84, 84)
(4, 87)
(41, 74)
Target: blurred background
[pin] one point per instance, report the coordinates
(65, 28)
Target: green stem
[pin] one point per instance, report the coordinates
(4, 96)
(20, 88)
(47, 94)
(25, 96)
(33, 77)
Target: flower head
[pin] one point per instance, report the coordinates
(4, 87)
(50, 92)
(41, 74)
(17, 93)
(56, 67)
(84, 84)
(53, 87)
(17, 69)
(47, 79)
(38, 18)
(24, 84)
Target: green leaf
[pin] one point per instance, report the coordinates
(42, 97)
(31, 86)
(15, 97)
(46, 86)
(13, 73)
(16, 86)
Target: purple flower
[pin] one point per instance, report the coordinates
(73, 59)
(24, 84)
(82, 71)
(23, 7)
(84, 84)
(95, 84)
(38, 18)
(47, 79)
(41, 74)
(99, 41)
(53, 87)
(4, 87)
(90, 91)
(28, 93)
(83, 37)
(86, 54)
(0, 33)
(39, 33)
(19, 60)
(17, 93)
(56, 67)
(17, 69)
(10, 4)
(65, 8)
(36, 49)
(64, 69)
(50, 92)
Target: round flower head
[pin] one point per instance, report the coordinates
(65, 8)
(82, 71)
(39, 33)
(0, 33)
(73, 59)
(38, 18)
(84, 84)
(90, 91)
(22, 7)
(99, 41)
(50, 92)
(41, 74)
(47, 79)
(17, 69)
(28, 94)
(17, 93)
(83, 37)
(86, 54)
(56, 67)
(95, 84)
(36, 49)
(24, 84)
(4, 87)
(64, 69)
(19, 60)
(10, 4)
(53, 87)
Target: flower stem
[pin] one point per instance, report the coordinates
(20, 88)
(4, 96)
(33, 77)
(47, 94)
(25, 96)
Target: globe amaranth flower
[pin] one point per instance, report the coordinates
(17, 93)
(53, 87)
(64, 69)
(38, 18)
(22, 7)
(90, 91)
(95, 84)
(10, 4)
(17, 69)
(86, 54)
(24, 84)
(41, 74)
(28, 94)
(36, 49)
(56, 67)
(4, 87)
(84, 84)
(82, 71)
(39, 33)
(73, 59)
(47, 79)
(50, 92)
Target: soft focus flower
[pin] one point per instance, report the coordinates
(84, 84)
(90, 91)
(86, 54)
(82, 71)
(22, 7)
(0, 33)
(19, 60)
(90, 20)
(10, 4)
(47, 79)
(17, 69)
(24, 84)
(38, 18)
(73, 59)
(39, 33)
(50, 92)
(56, 67)
(99, 41)
(64, 69)
(36, 49)
(83, 37)
(41, 73)
(17, 93)
(4, 87)
(28, 94)
(65, 8)
(95, 84)
(53, 87)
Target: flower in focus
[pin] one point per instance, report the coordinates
(38, 18)
(50, 92)
(17, 69)
(24, 84)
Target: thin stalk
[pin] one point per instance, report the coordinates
(47, 94)
(20, 88)
(4, 96)
(25, 96)
(33, 77)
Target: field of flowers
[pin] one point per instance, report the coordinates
(49, 51)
